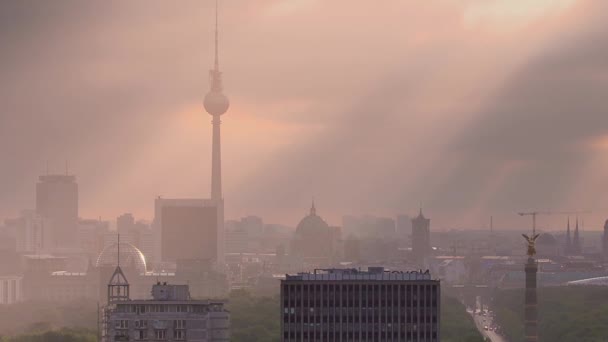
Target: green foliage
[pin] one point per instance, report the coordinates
(566, 314)
(456, 324)
(254, 319)
(63, 335)
(34, 317)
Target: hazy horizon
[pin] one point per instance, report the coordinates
(471, 108)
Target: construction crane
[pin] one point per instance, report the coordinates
(534, 213)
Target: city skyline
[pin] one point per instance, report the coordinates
(287, 140)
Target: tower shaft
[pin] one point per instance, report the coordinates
(216, 161)
(531, 302)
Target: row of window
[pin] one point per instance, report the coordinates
(359, 327)
(161, 335)
(368, 288)
(305, 309)
(155, 308)
(356, 336)
(143, 324)
(363, 319)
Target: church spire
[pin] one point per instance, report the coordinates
(568, 239)
(313, 209)
(576, 243)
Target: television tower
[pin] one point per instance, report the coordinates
(216, 104)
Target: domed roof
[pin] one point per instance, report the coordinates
(546, 239)
(312, 225)
(129, 256)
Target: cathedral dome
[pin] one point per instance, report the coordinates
(314, 238)
(311, 225)
(546, 239)
(130, 256)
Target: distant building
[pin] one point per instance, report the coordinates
(605, 241)
(188, 229)
(314, 239)
(369, 226)
(10, 289)
(353, 305)
(171, 315)
(547, 246)
(403, 227)
(45, 276)
(421, 237)
(137, 233)
(57, 201)
(92, 235)
(31, 232)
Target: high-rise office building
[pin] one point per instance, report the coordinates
(421, 237)
(57, 201)
(188, 229)
(353, 305)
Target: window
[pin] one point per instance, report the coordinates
(160, 334)
(122, 324)
(179, 335)
(141, 335)
(179, 324)
(141, 324)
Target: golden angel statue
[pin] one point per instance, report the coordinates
(531, 244)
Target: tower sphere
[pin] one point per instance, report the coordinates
(216, 103)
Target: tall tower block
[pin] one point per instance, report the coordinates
(216, 104)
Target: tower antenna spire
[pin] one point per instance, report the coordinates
(217, 59)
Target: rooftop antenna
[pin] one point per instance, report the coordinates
(118, 245)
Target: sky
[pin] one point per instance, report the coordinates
(468, 108)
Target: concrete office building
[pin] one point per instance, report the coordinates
(353, 305)
(171, 315)
(57, 201)
(188, 229)
(421, 237)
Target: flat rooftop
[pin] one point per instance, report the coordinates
(371, 274)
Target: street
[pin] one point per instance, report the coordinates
(479, 322)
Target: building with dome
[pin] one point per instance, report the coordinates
(46, 277)
(314, 240)
(547, 246)
(129, 255)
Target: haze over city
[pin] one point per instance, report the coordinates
(471, 108)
